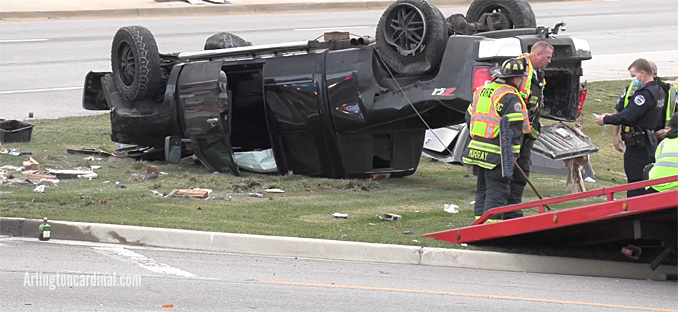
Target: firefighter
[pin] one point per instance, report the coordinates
(498, 99)
(638, 121)
(532, 92)
(666, 164)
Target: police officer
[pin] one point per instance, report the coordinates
(623, 102)
(638, 121)
(667, 158)
(498, 99)
(532, 92)
(670, 90)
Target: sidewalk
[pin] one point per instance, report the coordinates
(56, 9)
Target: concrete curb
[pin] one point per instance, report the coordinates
(330, 249)
(209, 9)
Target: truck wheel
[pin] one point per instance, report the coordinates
(411, 37)
(511, 13)
(136, 63)
(224, 40)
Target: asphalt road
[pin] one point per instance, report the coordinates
(148, 278)
(44, 62)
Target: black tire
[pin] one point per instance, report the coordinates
(224, 40)
(418, 48)
(518, 13)
(136, 63)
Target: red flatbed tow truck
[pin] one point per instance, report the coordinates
(633, 225)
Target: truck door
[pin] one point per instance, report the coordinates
(204, 113)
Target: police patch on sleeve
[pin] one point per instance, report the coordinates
(639, 100)
(623, 92)
(518, 107)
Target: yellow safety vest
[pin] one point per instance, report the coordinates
(630, 90)
(484, 123)
(670, 104)
(666, 164)
(526, 87)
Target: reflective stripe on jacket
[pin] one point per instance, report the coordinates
(666, 165)
(484, 118)
(671, 104)
(484, 149)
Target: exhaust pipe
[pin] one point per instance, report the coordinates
(364, 40)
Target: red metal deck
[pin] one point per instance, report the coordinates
(651, 217)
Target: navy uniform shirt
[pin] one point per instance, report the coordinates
(643, 111)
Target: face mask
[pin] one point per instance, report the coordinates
(636, 82)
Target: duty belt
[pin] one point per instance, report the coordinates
(629, 129)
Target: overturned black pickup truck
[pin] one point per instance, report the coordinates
(343, 107)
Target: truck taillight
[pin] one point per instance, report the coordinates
(481, 76)
(582, 98)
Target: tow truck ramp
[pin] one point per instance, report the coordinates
(643, 224)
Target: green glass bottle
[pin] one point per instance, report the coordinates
(45, 230)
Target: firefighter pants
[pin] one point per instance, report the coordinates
(519, 181)
(492, 190)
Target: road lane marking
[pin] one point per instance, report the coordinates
(21, 40)
(331, 28)
(39, 90)
(440, 292)
(129, 256)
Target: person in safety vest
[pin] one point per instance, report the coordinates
(622, 102)
(638, 121)
(498, 99)
(670, 90)
(532, 92)
(666, 163)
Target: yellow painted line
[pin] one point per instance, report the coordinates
(452, 293)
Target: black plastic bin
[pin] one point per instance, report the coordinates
(15, 131)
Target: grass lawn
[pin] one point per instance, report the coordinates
(304, 210)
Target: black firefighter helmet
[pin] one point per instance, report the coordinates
(510, 68)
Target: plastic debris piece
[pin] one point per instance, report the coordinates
(450, 208)
(258, 195)
(390, 217)
(340, 215)
(408, 232)
(274, 190)
(39, 189)
(590, 180)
